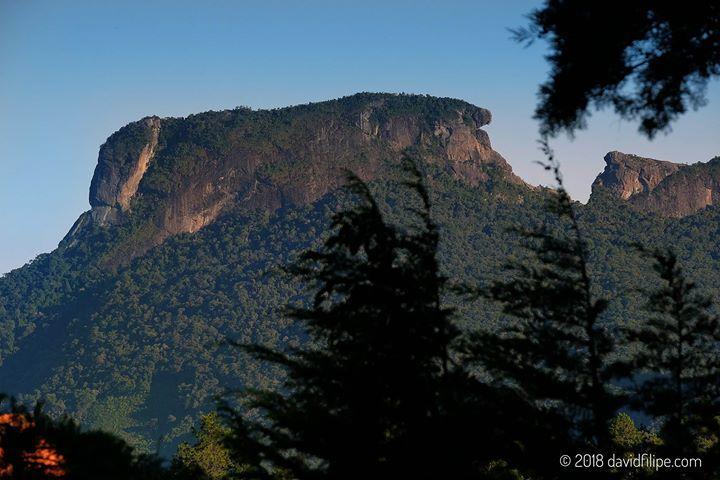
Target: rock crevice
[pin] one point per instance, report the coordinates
(122, 163)
(129, 187)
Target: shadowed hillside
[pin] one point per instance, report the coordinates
(123, 325)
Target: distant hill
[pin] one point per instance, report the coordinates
(660, 187)
(123, 324)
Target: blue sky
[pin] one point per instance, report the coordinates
(73, 72)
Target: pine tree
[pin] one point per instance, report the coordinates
(677, 357)
(208, 457)
(373, 398)
(554, 350)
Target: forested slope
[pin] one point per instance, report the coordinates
(124, 326)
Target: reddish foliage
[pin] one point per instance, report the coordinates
(43, 457)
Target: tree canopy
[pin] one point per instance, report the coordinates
(648, 60)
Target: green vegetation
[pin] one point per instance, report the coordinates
(142, 350)
(149, 334)
(350, 407)
(554, 350)
(208, 456)
(137, 343)
(372, 395)
(678, 357)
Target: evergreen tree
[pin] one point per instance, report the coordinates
(654, 67)
(208, 457)
(677, 358)
(553, 351)
(374, 398)
(628, 438)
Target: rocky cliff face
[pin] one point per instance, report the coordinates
(122, 162)
(177, 175)
(163, 177)
(627, 175)
(663, 188)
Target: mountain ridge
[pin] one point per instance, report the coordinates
(122, 326)
(660, 187)
(248, 168)
(353, 132)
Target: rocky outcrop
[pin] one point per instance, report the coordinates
(122, 162)
(659, 187)
(128, 186)
(627, 175)
(177, 175)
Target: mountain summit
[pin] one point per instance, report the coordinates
(177, 175)
(660, 187)
(125, 325)
(165, 176)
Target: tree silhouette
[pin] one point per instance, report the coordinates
(553, 350)
(648, 60)
(378, 396)
(677, 358)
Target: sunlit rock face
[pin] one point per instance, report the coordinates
(660, 187)
(122, 163)
(177, 175)
(627, 175)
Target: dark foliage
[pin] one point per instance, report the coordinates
(649, 60)
(678, 360)
(378, 396)
(553, 351)
(377, 389)
(137, 352)
(35, 446)
(136, 349)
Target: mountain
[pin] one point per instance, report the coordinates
(178, 175)
(125, 324)
(660, 187)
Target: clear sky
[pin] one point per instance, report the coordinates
(73, 72)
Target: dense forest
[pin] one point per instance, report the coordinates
(133, 331)
(140, 351)
(381, 350)
(362, 288)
